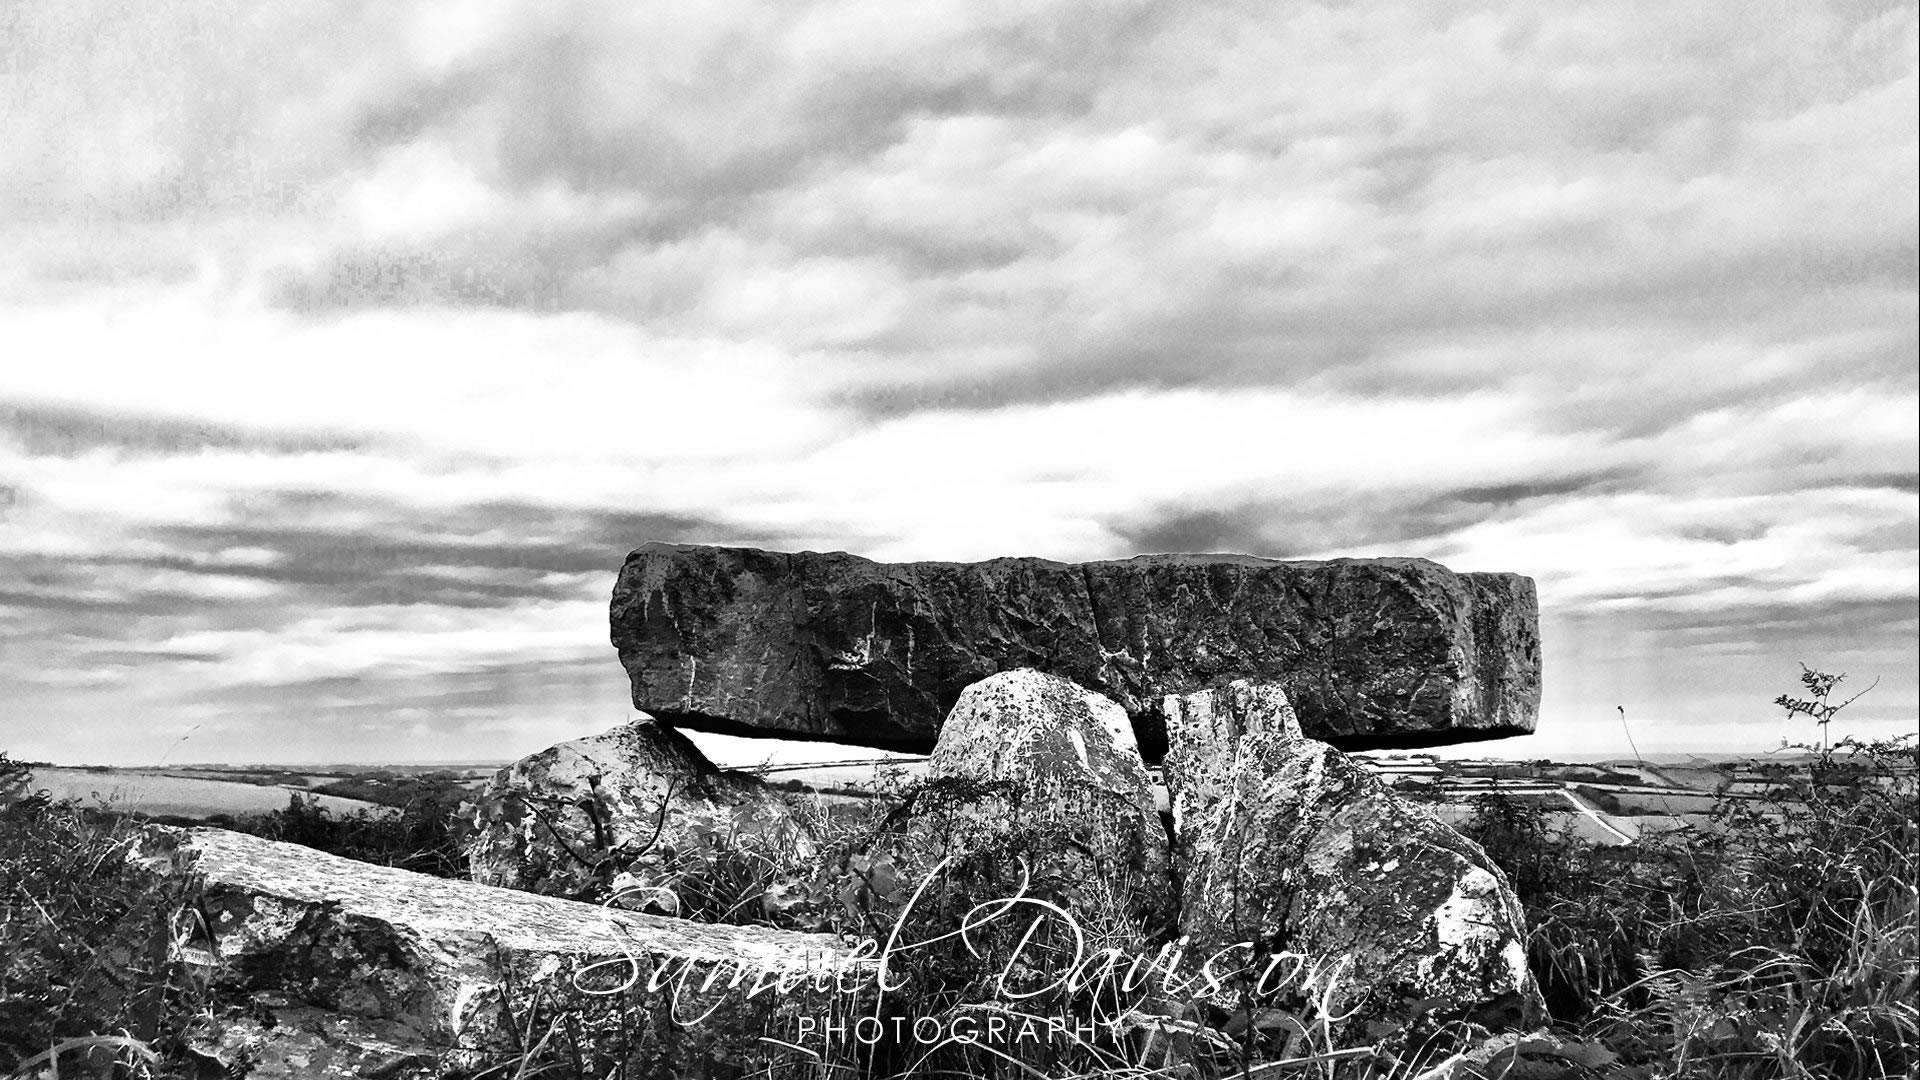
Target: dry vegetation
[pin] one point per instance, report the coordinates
(1780, 942)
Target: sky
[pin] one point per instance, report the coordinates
(346, 349)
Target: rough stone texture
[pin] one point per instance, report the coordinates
(1070, 758)
(1032, 768)
(1205, 726)
(1043, 733)
(303, 1041)
(369, 970)
(1529, 1055)
(1286, 843)
(638, 800)
(1377, 652)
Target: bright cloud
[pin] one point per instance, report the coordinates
(350, 348)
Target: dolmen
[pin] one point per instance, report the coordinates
(1259, 873)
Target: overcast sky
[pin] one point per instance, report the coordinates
(346, 349)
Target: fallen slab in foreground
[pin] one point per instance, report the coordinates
(1372, 652)
(370, 970)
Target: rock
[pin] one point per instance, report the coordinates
(639, 800)
(302, 1041)
(1373, 653)
(1205, 726)
(1044, 733)
(1532, 1055)
(368, 970)
(1285, 843)
(1059, 755)
(1033, 835)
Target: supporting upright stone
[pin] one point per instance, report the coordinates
(1372, 652)
(1284, 846)
(1202, 730)
(1035, 790)
(1065, 756)
(632, 804)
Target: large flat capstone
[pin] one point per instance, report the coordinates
(1372, 652)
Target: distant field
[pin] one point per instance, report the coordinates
(1625, 829)
(1664, 803)
(1627, 801)
(160, 795)
(864, 777)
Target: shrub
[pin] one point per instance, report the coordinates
(1600, 776)
(1606, 800)
(1778, 940)
(86, 983)
(17, 797)
(426, 832)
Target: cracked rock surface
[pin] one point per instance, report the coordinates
(1372, 652)
(1286, 844)
(371, 970)
(1061, 756)
(637, 800)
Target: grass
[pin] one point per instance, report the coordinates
(86, 983)
(423, 829)
(1777, 940)
(88, 987)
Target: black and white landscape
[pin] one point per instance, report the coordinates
(452, 436)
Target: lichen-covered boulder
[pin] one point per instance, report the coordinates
(332, 969)
(1294, 854)
(1031, 762)
(1205, 727)
(1045, 734)
(639, 804)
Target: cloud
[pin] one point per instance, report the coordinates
(351, 327)
(1135, 169)
(42, 431)
(1385, 518)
